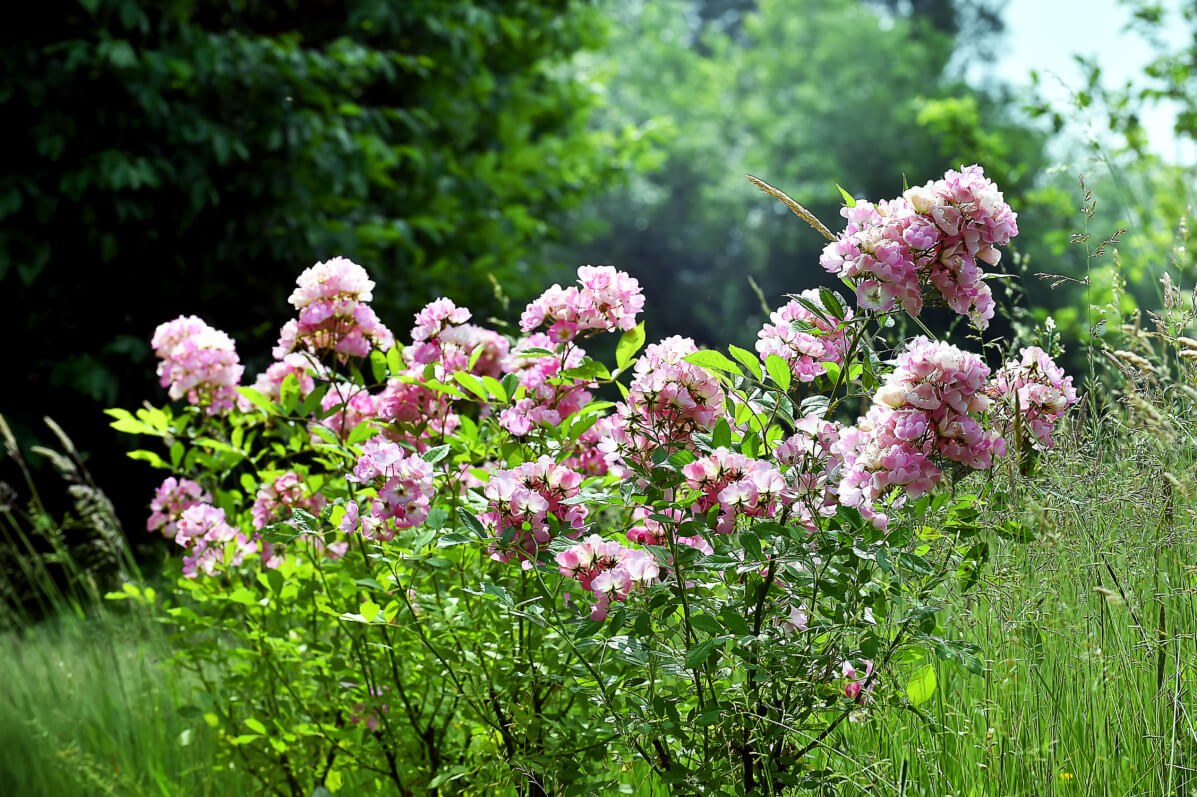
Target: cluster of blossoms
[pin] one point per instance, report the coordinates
(199, 362)
(529, 503)
(810, 455)
(1035, 389)
(923, 411)
(345, 406)
(738, 485)
(441, 335)
(608, 300)
(549, 398)
(332, 298)
(932, 236)
(173, 497)
(204, 531)
(608, 570)
(804, 350)
(668, 401)
(855, 678)
(275, 500)
(403, 485)
(649, 531)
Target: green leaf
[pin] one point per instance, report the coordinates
(831, 302)
(369, 610)
(312, 402)
(706, 623)
(629, 343)
(734, 622)
(471, 383)
(394, 361)
(721, 436)
(849, 200)
(363, 431)
(922, 686)
(125, 422)
(700, 653)
(713, 360)
(495, 387)
(589, 369)
(471, 522)
(256, 726)
(378, 365)
(288, 393)
(150, 457)
(779, 371)
(750, 361)
(436, 454)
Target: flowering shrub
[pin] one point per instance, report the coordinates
(416, 520)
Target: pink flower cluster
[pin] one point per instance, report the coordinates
(648, 531)
(173, 497)
(608, 300)
(441, 335)
(738, 485)
(403, 484)
(548, 400)
(924, 410)
(274, 501)
(269, 382)
(855, 678)
(608, 570)
(1038, 389)
(932, 236)
(204, 531)
(813, 468)
(535, 494)
(334, 315)
(669, 399)
(805, 351)
(199, 362)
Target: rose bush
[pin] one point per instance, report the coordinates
(449, 565)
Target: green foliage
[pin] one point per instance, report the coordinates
(202, 151)
(765, 95)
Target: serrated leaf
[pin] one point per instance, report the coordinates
(471, 522)
(706, 623)
(849, 200)
(922, 685)
(714, 360)
(435, 454)
(831, 302)
(394, 361)
(698, 654)
(779, 371)
(629, 343)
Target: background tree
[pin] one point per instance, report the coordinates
(804, 94)
(203, 152)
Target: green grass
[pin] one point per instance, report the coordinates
(1090, 640)
(88, 707)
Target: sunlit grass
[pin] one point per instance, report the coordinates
(89, 707)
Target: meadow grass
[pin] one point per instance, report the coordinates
(1090, 640)
(89, 706)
